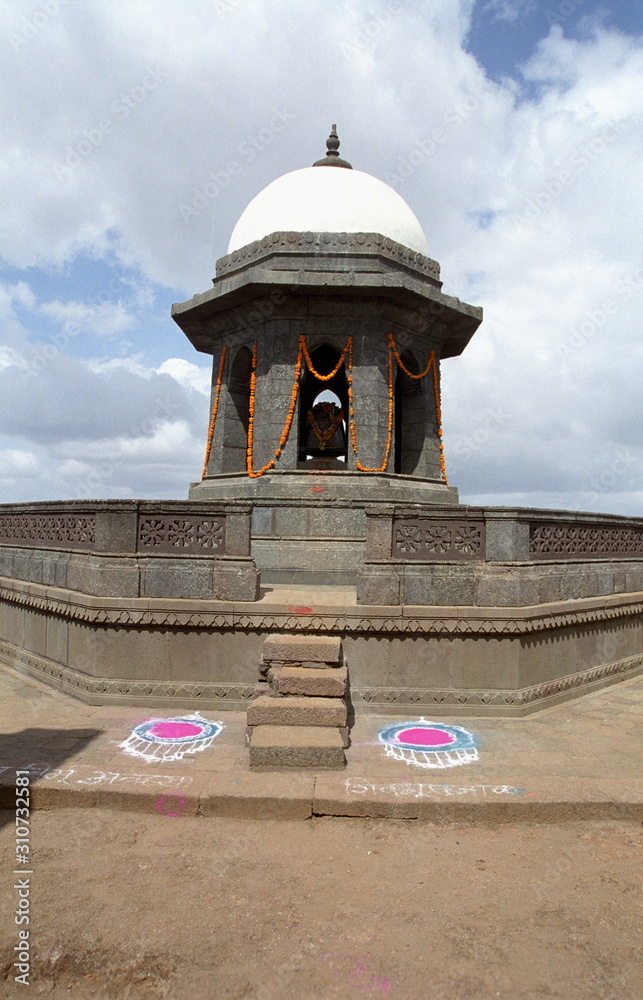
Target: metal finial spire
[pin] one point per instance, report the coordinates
(332, 158)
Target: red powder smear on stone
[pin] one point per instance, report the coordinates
(300, 611)
(170, 730)
(425, 737)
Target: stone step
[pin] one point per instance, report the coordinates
(296, 746)
(327, 682)
(303, 649)
(344, 732)
(297, 711)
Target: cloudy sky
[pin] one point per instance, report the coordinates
(134, 135)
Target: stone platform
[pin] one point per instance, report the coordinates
(457, 610)
(575, 761)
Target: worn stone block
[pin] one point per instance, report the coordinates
(235, 580)
(324, 682)
(165, 576)
(378, 585)
(309, 648)
(296, 746)
(297, 711)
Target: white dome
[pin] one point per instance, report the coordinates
(329, 200)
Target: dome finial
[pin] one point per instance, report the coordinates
(332, 158)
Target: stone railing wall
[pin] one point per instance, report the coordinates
(131, 548)
(497, 557)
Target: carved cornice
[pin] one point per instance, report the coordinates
(378, 696)
(68, 679)
(237, 696)
(137, 613)
(331, 243)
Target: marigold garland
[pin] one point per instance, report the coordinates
(346, 357)
(401, 364)
(313, 370)
(351, 412)
(431, 366)
(215, 410)
(251, 415)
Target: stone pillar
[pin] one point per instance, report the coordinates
(276, 359)
(370, 400)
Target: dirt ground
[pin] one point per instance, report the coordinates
(128, 906)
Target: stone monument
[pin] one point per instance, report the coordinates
(323, 513)
(327, 287)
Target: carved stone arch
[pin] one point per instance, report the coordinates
(410, 416)
(236, 413)
(324, 356)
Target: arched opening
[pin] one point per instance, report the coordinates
(323, 409)
(237, 411)
(410, 405)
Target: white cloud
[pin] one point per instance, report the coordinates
(188, 376)
(17, 463)
(104, 319)
(509, 10)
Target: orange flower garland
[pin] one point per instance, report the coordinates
(438, 417)
(351, 412)
(431, 365)
(251, 415)
(215, 410)
(430, 362)
(313, 370)
(347, 356)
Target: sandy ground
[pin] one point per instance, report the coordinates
(133, 906)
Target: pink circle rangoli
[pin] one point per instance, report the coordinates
(174, 730)
(425, 737)
(429, 744)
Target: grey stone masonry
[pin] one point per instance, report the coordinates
(132, 548)
(496, 557)
(297, 711)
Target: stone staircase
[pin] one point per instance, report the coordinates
(299, 715)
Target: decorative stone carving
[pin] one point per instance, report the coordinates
(566, 541)
(65, 531)
(425, 540)
(181, 535)
(241, 694)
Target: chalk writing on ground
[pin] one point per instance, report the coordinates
(83, 774)
(422, 790)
